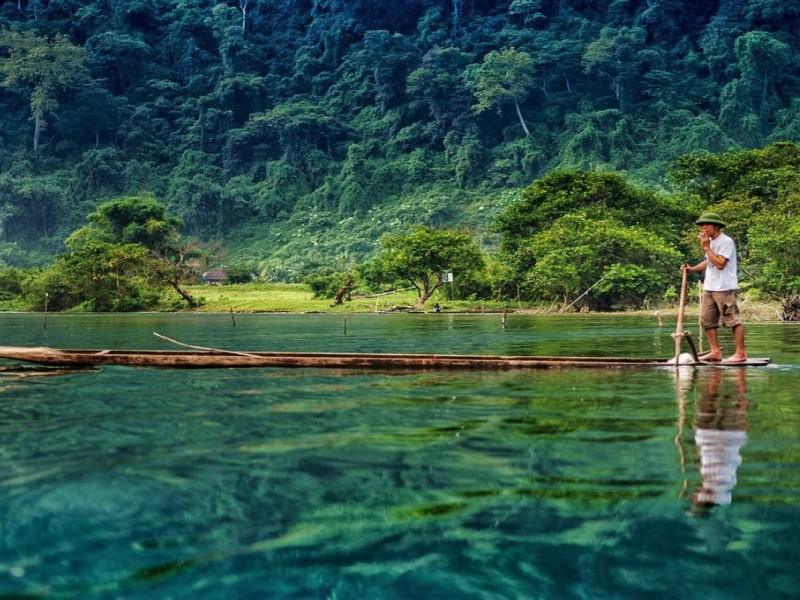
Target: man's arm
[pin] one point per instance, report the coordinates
(717, 260)
(698, 267)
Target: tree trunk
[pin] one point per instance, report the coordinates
(427, 295)
(183, 293)
(456, 16)
(345, 289)
(791, 309)
(37, 133)
(243, 7)
(521, 120)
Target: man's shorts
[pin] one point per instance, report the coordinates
(719, 306)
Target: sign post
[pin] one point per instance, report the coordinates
(447, 277)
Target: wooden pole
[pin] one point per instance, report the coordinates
(583, 294)
(681, 310)
(233, 319)
(204, 348)
(46, 298)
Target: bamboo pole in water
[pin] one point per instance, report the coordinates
(678, 335)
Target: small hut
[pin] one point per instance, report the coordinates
(215, 277)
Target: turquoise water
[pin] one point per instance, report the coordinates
(268, 483)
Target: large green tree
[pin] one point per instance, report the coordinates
(44, 68)
(775, 248)
(422, 257)
(504, 77)
(598, 195)
(573, 230)
(96, 277)
(624, 266)
(142, 221)
(616, 55)
(749, 103)
(439, 86)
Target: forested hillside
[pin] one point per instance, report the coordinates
(295, 132)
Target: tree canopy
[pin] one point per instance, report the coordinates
(426, 258)
(573, 230)
(567, 234)
(290, 131)
(45, 68)
(129, 250)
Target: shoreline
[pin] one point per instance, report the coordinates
(291, 299)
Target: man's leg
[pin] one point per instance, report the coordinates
(732, 319)
(709, 320)
(715, 353)
(738, 339)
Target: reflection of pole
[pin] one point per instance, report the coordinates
(681, 425)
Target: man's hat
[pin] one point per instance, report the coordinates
(712, 218)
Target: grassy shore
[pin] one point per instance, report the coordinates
(299, 298)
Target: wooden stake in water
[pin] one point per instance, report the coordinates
(503, 318)
(233, 319)
(46, 299)
(679, 327)
(345, 325)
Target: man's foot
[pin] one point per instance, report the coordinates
(736, 358)
(711, 357)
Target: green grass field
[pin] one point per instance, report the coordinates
(299, 298)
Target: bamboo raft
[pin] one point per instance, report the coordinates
(214, 359)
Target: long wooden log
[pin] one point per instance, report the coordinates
(184, 359)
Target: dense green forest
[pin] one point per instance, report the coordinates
(291, 134)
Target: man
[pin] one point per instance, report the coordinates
(720, 287)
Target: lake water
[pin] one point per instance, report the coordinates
(288, 484)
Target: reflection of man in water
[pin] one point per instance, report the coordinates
(720, 432)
